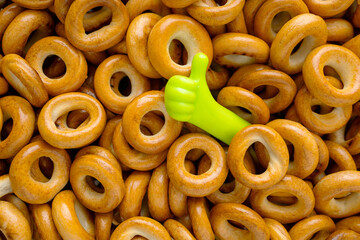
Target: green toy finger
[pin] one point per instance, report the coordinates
(200, 109)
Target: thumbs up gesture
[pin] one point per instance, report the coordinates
(188, 99)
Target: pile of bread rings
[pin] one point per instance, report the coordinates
(88, 150)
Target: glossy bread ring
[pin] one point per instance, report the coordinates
(142, 226)
(28, 187)
(348, 70)
(107, 172)
(274, 144)
(238, 49)
(103, 38)
(34, 4)
(317, 224)
(106, 85)
(13, 224)
(71, 138)
(308, 28)
(24, 79)
(327, 9)
(23, 117)
(284, 214)
(133, 115)
(189, 32)
(67, 213)
(16, 36)
(196, 185)
(75, 62)
(217, 15)
(222, 213)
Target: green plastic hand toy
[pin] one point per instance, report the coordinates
(188, 99)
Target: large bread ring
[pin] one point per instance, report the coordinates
(133, 115)
(222, 213)
(142, 226)
(339, 30)
(284, 214)
(24, 79)
(274, 144)
(308, 28)
(103, 38)
(106, 85)
(71, 138)
(34, 4)
(23, 117)
(196, 185)
(319, 86)
(31, 189)
(16, 36)
(76, 66)
(189, 32)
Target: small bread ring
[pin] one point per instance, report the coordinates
(199, 214)
(276, 79)
(250, 9)
(284, 214)
(351, 223)
(215, 15)
(133, 115)
(142, 226)
(132, 158)
(67, 213)
(43, 221)
(107, 172)
(277, 230)
(333, 185)
(306, 228)
(76, 66)
(274, 144)
(16, 36)
(24, 79)
(137, 43)
(189, 32)
(13, 224)
(30, 189)
(272, 15)
(239, 49)
(321, 123)
(222, 213)
(106, 87)
(136, 7)
(327, 9)
(103, 223)
(158, 194)
(34, 4)
(343, 234)
(306, 153)
(110, 34)
(196, 185)
(7, 14)
(71, 138)
(178, 231)
(23, 117)
(308, 28)
(235, 97)
(339, 30)
(319, 86)
(136, 185)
